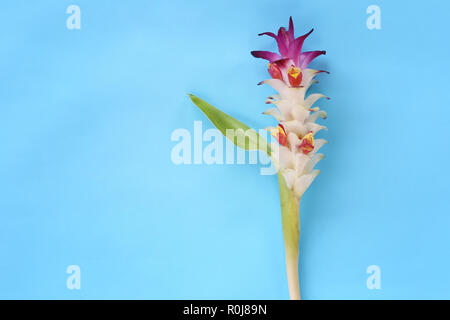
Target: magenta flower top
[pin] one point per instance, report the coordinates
(289, 64)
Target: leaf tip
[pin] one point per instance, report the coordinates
(193, 98)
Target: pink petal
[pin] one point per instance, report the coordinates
(283, 41)
(291, 29)
(271, 56)
(270, 34)
(284, 64)
(296, 48)
(307, 57)
(280, 41)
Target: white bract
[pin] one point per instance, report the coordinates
(296, 154)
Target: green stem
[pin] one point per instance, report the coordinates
(291, 234)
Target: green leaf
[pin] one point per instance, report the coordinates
(240, 134)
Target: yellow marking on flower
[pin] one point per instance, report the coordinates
(280, 134)
(294, 72)
(295, 76)
(307, 144)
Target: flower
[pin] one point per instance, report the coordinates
(280, 134)
(296, 153)
(290, 63)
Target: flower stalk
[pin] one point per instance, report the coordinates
(291, 234)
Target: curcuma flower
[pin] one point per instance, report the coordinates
(297, 149)
(295, 152)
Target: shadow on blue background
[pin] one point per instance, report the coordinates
(87, 179)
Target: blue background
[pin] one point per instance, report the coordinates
(86, 176)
